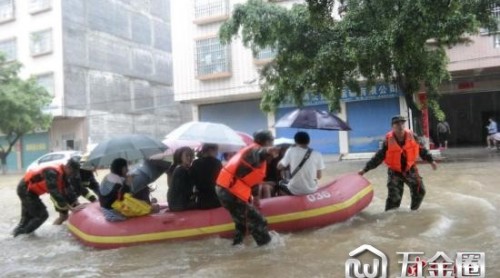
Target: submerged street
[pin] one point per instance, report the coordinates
(460, 213)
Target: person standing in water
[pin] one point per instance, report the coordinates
(400, 152)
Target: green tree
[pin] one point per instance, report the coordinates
(21, 103)
(401, 42)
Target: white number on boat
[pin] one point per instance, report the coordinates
(318, 196)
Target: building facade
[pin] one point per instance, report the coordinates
(473, 94)
(221, 82)
(107, 63)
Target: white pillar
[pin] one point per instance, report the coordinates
(271, 121)
(195, 112)
(343, 135)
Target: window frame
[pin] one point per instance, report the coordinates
(43, 74)
(38, 10)
(212, 75)
(207, 19)
(264, 60)
(485, 31)
(13, 39)
(496, 40)
(13, 13)
(51, 42)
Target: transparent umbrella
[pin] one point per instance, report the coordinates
(194, 134)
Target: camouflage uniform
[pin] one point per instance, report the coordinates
(396, 180)
(33, 211)
(243, 213)
(80, 185)
(244, 216)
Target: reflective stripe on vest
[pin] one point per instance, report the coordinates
(394, 151)
(241, 187)
(35, 179)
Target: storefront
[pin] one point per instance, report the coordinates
(33, 146)
(370, 121)
(12, 158)
(324, 141)
(467, 114)
(367, 113)
(243, 116)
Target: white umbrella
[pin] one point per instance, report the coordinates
(196, 133)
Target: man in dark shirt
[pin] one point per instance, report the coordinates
(400, 152)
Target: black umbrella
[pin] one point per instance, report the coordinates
(312, 119)
(130, 147)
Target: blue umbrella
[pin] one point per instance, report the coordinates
(312, 119)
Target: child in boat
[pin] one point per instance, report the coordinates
(112, 187)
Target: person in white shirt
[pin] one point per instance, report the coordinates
(492, 130)
(305, 180)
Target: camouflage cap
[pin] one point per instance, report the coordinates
(398, 119)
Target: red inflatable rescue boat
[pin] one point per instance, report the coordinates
(335, 202)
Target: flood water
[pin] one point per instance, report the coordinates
(460, 213)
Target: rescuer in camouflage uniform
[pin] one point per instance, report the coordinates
(235, 182)
(80, 185)
(400, 151)
(52, 180)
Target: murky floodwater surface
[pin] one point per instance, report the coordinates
(460, 213)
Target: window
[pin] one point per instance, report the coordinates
(46, 81)
(207, 11)
(496, 14)
(9, 50)
(265, 54)
(495, 10)
(7, 10)
(36, 6)
(212, 58)
(41, 42)
(496, 41)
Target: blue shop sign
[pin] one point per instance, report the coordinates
(378, 91)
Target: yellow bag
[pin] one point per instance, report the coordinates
(131, 207)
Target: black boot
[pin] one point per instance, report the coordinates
(19, 229)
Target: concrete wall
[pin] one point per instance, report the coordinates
(20, 29)
(118, 67)
(480, 53)
(64, 129)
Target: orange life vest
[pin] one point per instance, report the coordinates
(411, 148)
(35, 179)
(241, 187)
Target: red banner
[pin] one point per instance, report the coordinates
(422, 97)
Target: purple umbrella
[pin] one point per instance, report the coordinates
(312, 119)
